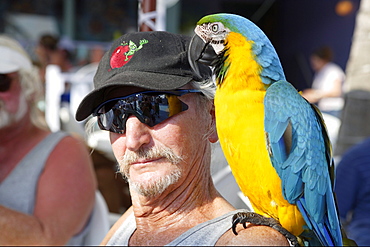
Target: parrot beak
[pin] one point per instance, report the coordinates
(200, 52)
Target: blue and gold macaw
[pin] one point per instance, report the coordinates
(273, 139)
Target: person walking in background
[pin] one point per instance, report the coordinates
(326, 89)
(56, 68)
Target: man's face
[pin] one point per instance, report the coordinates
(155, 158)
(13, 104)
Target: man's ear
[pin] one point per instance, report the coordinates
(213, 137)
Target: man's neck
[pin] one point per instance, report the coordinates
(162, 219)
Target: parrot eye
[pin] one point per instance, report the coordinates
(214, 28)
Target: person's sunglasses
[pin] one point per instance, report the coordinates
(5, 82)
(150, 107)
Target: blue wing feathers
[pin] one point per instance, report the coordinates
(277, 130)
(322, 230)
(304, 171)
(298, 162)
(294, 186)
(281, 154)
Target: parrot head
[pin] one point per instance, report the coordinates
(216, 34)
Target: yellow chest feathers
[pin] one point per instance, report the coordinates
(243, 69)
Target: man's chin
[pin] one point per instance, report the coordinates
(152, 185)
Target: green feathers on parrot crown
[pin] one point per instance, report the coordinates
(265, 53)
(229, 21)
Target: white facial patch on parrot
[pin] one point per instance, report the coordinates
(214, 33)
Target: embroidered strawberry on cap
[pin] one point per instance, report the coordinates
(123, 53)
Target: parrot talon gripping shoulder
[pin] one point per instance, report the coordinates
(257, 219)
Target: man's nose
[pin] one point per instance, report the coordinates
(137, 133)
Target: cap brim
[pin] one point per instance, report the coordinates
(11, 60)
(8, 68)
(140, 79)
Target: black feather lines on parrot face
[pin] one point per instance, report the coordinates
(213, 33)
(220, 67)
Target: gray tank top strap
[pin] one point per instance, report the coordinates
(41, 152)
(204, 234)
(18, 189)
(124, 232)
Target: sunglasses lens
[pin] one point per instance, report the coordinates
(5, 82)
(149, 108)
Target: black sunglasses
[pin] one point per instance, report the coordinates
(150, 107)
(5, 82)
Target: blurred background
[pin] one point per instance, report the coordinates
(294, 27)
(85, 29)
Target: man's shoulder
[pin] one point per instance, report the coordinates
(253, 235)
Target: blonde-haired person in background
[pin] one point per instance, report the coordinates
(47, 182)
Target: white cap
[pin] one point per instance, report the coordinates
(12, 56)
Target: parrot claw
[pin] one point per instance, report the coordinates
(257, 219)
(236, 220)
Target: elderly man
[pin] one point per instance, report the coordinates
(47, 183)
(164, 156)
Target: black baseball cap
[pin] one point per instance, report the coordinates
(148, 60)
